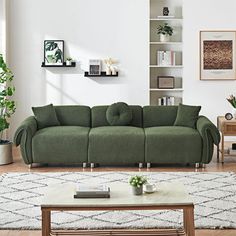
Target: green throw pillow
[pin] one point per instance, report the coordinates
(187, 116)
(119, 114)
(46, 116)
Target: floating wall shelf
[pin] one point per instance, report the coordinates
(64, 65)
(103, 74)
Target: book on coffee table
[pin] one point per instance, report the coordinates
(92, 191)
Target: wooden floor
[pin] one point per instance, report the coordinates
(19, 166)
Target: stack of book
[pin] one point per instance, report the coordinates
(166, 101)
(165, 58)
(92, 191)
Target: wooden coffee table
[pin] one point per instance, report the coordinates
(170, 196)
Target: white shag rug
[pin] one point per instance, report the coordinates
(214, 195)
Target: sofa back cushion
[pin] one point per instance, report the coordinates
(99, 116)
(74, 115)
(159, 115)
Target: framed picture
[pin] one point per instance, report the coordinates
(53, 52)
(165, 82)
(217, 55)
(95, 67)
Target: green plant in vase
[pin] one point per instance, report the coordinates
(232, 100)
(165, 31)
(137, 183)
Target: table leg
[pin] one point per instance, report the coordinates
(222, 148)
(46, 222)
(189, 221)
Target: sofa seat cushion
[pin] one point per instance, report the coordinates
(62, 144)
(116, 145)
(173, 144)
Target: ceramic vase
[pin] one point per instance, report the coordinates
(234, 113)
(137, 191)
(164, 38)
(6, 153)
(68, 63)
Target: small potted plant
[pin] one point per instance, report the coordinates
(232, 100)
(137, 183)
(69, 61)
(7, 108)
(165, 31)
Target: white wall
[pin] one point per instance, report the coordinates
(100, 29)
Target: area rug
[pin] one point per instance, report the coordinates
(214, 195)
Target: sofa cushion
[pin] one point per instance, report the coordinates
(119, 114)
(76, 115)
(172, 144)
(159, 116)
(46, 116)
(63, 144)
(99, 116)
(187, 116)
(116, 145)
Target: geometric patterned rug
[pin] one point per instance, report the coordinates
(214, 195)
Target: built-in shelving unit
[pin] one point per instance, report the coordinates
(175, 44)
(73, 64)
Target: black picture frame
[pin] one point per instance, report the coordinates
(53, 52)
(165, 82)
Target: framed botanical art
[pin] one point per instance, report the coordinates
(217, 55)
(53, 52)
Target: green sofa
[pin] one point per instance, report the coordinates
(84, 135)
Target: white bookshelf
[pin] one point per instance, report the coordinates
(175, 44)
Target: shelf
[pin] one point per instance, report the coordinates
(64, 65)
(173, 90)
(166, 19)
(163, 43)
(156, 66)
(103, 74)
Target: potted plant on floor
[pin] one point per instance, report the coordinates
(137, 183)
(7, 108)
(165, 31)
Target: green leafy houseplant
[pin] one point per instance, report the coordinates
(165, 29)
(232, 100)
(7, 105)
(137, 181)
(69, 59)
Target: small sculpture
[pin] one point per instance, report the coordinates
(165, 11)
(110, 69)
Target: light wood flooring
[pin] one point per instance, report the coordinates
(19, 166)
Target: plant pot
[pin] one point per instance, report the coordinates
(108, 71)
(6, 153)
(68, 63)
(137, 191)
(234, 113)
(164, 38)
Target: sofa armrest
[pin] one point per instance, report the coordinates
(23, 137)
(210, 135)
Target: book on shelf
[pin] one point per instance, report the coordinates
(92, 191)
(166, 101)
(165, 58)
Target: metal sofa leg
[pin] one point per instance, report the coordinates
(140, 165)
(197, 165)
(92, 165)
(84, 164)
(30, 166)
(148, 165)
(203, 165)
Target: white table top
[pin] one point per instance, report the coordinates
(167, 194)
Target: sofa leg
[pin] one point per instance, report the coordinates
(197, 165)
(84, 164)
(92, 165)
(30, 166)
(140, 165)
(148, 165)
(203, 165)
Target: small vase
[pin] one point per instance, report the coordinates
(108, 71)
(137, 191)
(164, 38)
(113, 70)
(68, 63)
(234, 112)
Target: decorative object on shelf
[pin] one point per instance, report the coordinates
(110, 68)
(232, 100)
(53, 52)
(228, 116)
(166, 101)
(95, 67)
(7, 108)
(165, 58)
(137, 183)
(165, 11)
(69, 61)
(217, 53)
(165, 82)
(165, 31)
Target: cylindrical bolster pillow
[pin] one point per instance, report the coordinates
(119, 114)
